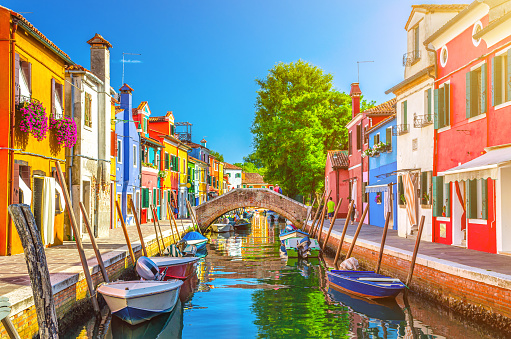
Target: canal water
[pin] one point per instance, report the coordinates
(245, 289)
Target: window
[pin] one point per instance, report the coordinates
(444, 55)
(416, 44)
(376, 138)
(359, 137)
(477, 199)
(478, 26)
(427, 105)
(475, 92)
(129, 197)
(425, 190)
(501, 78)
(157, 159)
(365, 196)
(229, 175)
(119, 151)
(145, 125)
(442, 106)
(113, 144)
(57, 108)
(441, 197)
(244, 186)
(23, 80)
(366, 136)
(87, 117)
(154, 197)
(167, 161)
(400, 190)
(134, 155)
(404, 115)
(145, 197)
(350, 143)
(388, 137)
(237, 175)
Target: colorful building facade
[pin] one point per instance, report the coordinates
(337, 179)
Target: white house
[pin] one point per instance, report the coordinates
(234, 174)
(415, 114)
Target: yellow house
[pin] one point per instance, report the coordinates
(31, 81)
(113, 155)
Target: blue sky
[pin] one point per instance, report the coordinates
(200, 58)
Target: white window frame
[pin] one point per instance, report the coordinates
(442, 63)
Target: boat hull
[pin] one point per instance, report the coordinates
(293, 234)
(293, 253)
(177, 269)
(347, 281)
(221, 228)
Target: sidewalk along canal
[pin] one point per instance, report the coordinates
(472, 283)
(67, 278)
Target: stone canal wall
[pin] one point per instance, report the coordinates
(481, 295)
(70, 290)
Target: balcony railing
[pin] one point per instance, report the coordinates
(411, 57)
(20, 99)
(420, 121)
(401, 129)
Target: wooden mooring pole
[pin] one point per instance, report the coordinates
(383, 238)
(175, 225)
(339, 247)
(125, 231)
(37, 267)
(415, 251)
(139, 229)
(93, 242)
(193, 217)
(323, 214)
(160, 250)
(332, 221)
(78, 240)
(308, 215)
(156, 220)
(354, 240)
(317, 212)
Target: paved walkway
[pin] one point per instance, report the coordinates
(486, 261)
(65, 258)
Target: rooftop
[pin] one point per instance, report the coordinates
(253, 178)
(230, 166)
(381, 123)
(386, 108)
(339, 159)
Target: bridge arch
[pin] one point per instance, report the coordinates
(251, 197)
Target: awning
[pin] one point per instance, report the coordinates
(377, 188)
(482, 167)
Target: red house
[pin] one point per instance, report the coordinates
(472, 105)
(358, 141)
(336, 179)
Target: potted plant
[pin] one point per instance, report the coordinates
(65, 131)
(33, 119)
(425, 198)
(162, 174)
(403, 199)
(378, 198)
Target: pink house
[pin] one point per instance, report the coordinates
(337, 179)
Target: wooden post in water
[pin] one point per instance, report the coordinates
(156, 220)
(170, 224)
(160, 249)
(323, 214)
(93, 242)
(125, 231)
(137, 222)
(308, 215)
(415, 250)
(383, 238)
(193, 217)
(317, 212)
(354, 240)
(331, 224)
(78, 241)
(175, 225)
(37, 267)
(338, 253)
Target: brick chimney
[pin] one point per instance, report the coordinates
(355, 94)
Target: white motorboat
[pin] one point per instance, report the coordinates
(220, 228)
(138, 301)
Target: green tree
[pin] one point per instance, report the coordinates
(218, 156)
(299, 116)
(249, 167)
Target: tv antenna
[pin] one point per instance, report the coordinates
(123, 61)
(358, 69)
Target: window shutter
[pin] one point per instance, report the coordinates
(483, 89)
(359, 139)
(496, 80)
(448, 199)
(424, 180)
(400, 189)
(428, 103)
(435, 111)
(388, 137)
(27, 71)
(405, 113)
(16, 77)
(113, 143)
(52, 96)
(484, 195)
(447, 105)
(441, 108)
(508, 80)
(438, 196)
(350, 143)
(16, 184)
(154, 196)
(467, 94)
(471, 199)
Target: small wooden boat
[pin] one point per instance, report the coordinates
(194, 238)
(221, 228)
(292, 248)
(176, 267)
(295, 233)
(138, 301)
(242, 223)
(366, 284)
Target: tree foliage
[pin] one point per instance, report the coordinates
(299, 116)
(249, 167)
(218, 156)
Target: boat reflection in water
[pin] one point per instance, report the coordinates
(168, 325)
(305, 266)
(188, 288)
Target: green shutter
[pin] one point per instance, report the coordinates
(441, 109)
(468, 78)
(483, 89)
(145, 197)
(388, 137)
(508, 80)
(424, 188)
(154, 196)
(438, 196)
(484, 194)
(429, 104)
(400, 189)
(471, 199)
(448, 199)
(447, 105)
(405, 113)
(435, 110)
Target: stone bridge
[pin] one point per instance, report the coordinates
(251, 197)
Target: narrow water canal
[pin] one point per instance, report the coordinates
(244, 289)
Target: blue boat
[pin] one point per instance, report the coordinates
(366, 284)
(194, 238)
(292, 233)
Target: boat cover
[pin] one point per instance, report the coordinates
(194, 236)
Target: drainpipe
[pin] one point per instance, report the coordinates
(70, 174)
(431, 48)
(11, 139)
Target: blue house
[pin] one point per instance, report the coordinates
(382, 153)
(128, 157)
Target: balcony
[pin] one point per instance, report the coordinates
(420, 121)
(20, 99)
(411, 57)
(401, 129)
